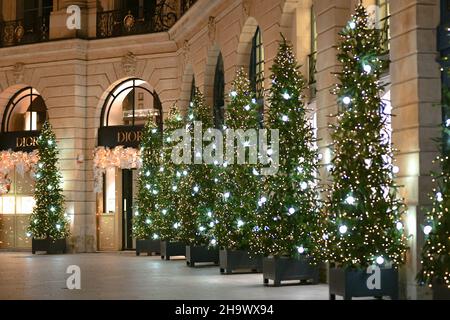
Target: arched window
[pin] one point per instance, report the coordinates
(130, 103)
(219, 94)
(192, 90)
(312, 58)
(26, 111)
(191, 96)
(257, 71)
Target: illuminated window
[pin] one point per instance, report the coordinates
(130, 103)
(16, 205)
(26, 111)
(257, 71)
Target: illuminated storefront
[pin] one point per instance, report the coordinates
(124, 114)
(24, 116)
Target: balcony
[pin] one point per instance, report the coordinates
(139, 20)
(19, 32)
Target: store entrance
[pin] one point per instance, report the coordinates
(127, 209)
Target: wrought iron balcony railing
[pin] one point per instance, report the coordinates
(19, 32)
(161, 17)
(186, 5)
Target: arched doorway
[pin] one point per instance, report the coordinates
(24, 115)
(125, 111)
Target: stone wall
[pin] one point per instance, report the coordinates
(74, 77)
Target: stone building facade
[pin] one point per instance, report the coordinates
(76, 72)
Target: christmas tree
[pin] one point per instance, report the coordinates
(48, 219)
(363, 207)
(146, 220)
(197, 187)
(173, 173)
(436, 251)
(287, 218)
(238, 182)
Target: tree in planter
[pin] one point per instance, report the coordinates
(238, 183)
(146, 220)
(436, 251)
(197, 191)
(287, 217)
(48, 220)
(171, 178)
(363, 207)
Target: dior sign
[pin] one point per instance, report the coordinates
(127, 136)
(25, 141)
(22, 142)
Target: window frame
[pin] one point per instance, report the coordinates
(256, 72)
(12, 104)
(219, 94)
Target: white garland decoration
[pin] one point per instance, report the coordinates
(19, 161)
(119, 157)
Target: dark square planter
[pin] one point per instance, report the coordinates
(232, 260)
(197, 254)
(352, 283)
(149, 246)
(440, 291)
(285, 269)
(51, 246)
(172, 249)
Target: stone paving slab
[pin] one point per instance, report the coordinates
(124, 276)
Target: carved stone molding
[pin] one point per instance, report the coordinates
(18, 72)
(129, 63)
(246, 6)
(186, 52)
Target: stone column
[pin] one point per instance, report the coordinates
(331, 16)
(59, 16)
(65, 96)
(8, 10)
(415, 92)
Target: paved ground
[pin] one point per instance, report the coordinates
(125, 276)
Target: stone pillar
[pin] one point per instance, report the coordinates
(91, 19)
(8, 10)
(332, 16)
(59, 16)
(415, 92)
(65, 95)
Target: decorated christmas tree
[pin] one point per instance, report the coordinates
(436, 251)
(171, 178)
(48, 220)
(239, 182)
(147, 220)
(287, 217)
(197, 187)
(363, 206)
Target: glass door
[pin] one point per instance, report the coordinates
(128, 197)
(16, 205)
